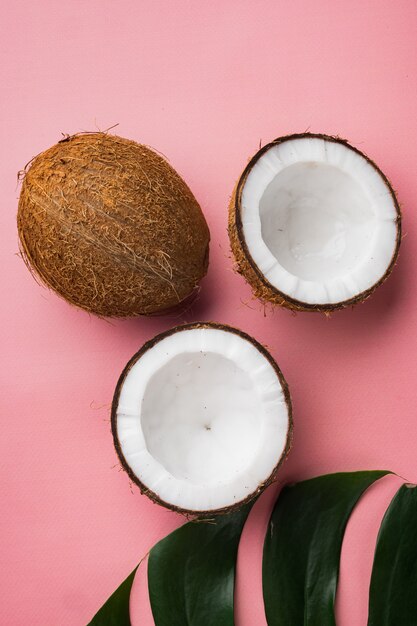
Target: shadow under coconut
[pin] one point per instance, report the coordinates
(196, 307)
(204, 303)
(384, 302)
(366, 318)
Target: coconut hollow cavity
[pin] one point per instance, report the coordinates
(314, 224)
(111, 227)
(201, 418)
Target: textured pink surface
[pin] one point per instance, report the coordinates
(203, 82)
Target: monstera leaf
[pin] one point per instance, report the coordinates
(393, 593)
(303, 544)
(191, 576)
(191, 572)
(116, 610)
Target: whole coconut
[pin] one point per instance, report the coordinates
(111, 227)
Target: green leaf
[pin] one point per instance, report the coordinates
(393, 592)
(191, 573)
(303, 544)
(115, 612)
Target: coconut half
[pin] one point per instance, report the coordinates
(314, 224)
(201, 418)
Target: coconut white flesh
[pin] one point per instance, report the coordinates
(319, 220)
(202, 419)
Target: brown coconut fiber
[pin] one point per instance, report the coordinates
(110, 226)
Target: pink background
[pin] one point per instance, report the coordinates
(203, 82)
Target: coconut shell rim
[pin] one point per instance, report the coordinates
(200, 513)
(293, 302)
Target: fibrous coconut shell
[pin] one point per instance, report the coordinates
(110, 226)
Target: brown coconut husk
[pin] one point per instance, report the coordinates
(110, 226)
(245, 265)
(151, 494)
